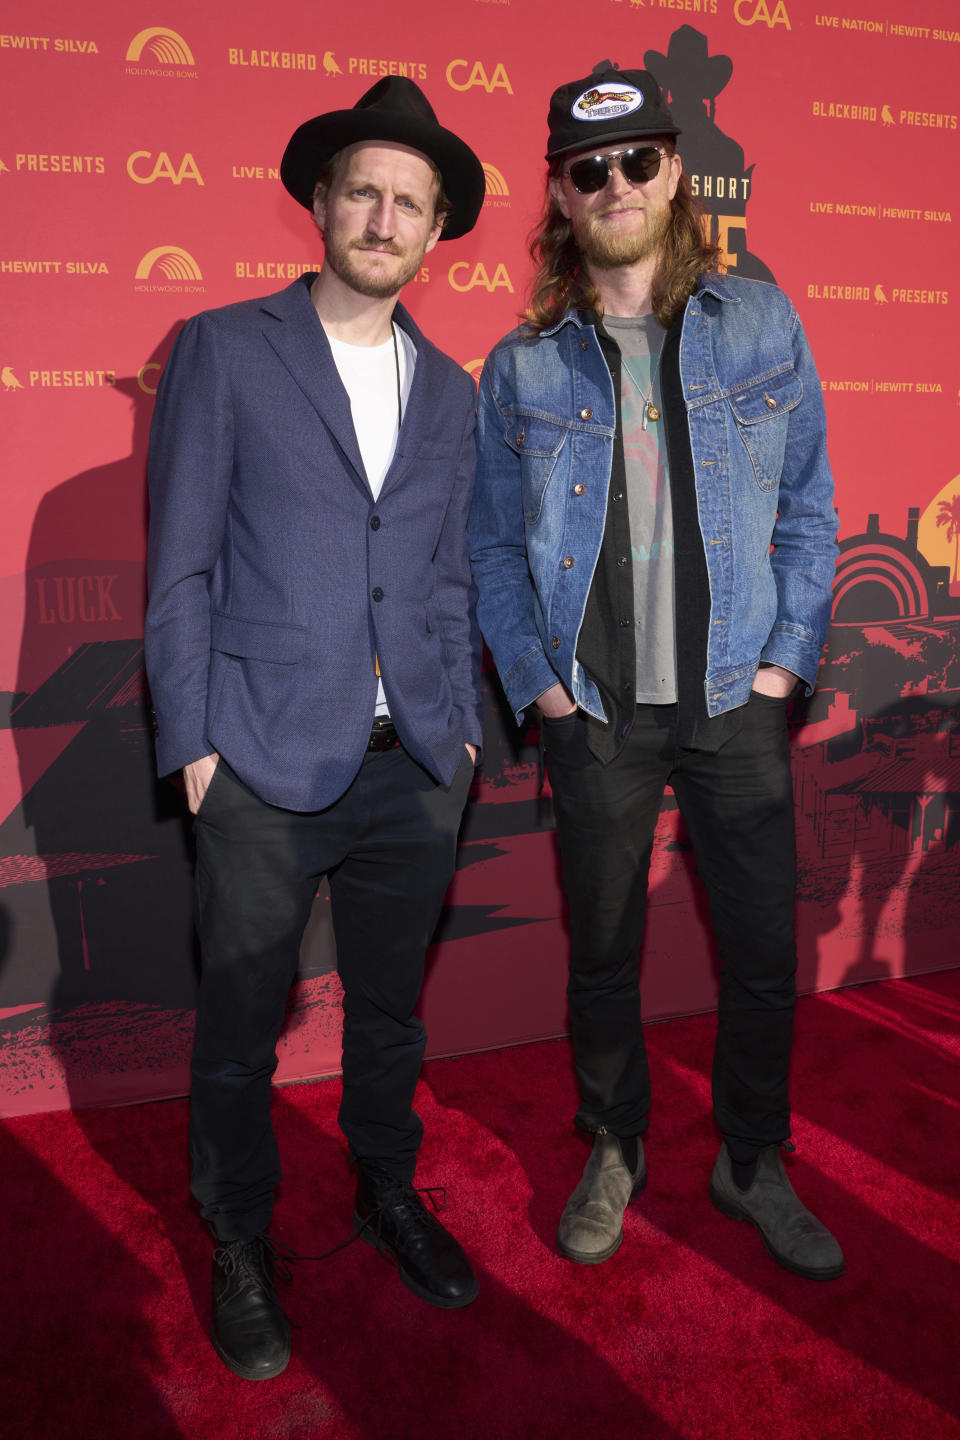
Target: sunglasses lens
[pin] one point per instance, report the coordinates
(640, 165)
(589, 176)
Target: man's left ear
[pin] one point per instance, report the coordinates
(435, 234)
(676, 170)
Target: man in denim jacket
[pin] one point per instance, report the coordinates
(653, 538)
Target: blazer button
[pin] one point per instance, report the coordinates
(555, 642)
(568, 562)
(579, 489)
(618, 495)
(586, 413)
(375, 522)
(378, 593)
(624, 621)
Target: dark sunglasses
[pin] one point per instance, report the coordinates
(591, 174)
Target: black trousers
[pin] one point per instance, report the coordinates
(738, 808)
(388, 848)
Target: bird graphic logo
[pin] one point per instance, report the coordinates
(886, 116)
(3, 167)
(330, 65)
(10, 381)
(878, 295)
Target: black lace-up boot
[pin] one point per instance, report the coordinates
(251, 1333)
(389, 1214)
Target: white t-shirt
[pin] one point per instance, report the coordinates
(370, 374)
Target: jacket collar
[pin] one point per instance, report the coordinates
(710, 283)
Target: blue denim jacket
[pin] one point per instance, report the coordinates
(547, 420)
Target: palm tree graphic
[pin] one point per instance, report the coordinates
(949, 516)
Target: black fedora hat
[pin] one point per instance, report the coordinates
(393, 109)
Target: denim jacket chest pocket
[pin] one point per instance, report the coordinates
(537, 441)
(761, 409)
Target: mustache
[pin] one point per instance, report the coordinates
(371, 242)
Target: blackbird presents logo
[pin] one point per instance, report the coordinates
(464, 74)
(463, 277)
(474, 369)
(162, 46)
(762, 12)
(145, 168)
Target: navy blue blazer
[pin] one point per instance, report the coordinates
(275, 579)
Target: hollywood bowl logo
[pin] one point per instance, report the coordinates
(496, 185)
(163, 46)
(168, 266)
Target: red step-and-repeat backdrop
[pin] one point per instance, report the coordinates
(138, 180)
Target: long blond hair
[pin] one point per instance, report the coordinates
(562, 283)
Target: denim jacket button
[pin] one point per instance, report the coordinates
(568, 562)
(555, 642)
(586, 413)
(579, 489)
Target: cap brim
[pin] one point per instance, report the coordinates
(612, 137)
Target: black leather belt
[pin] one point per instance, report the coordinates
(383, 735)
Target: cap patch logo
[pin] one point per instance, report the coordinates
(606, 101)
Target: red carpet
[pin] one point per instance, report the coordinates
(689, 1331)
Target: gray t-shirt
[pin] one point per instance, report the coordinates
(640, 339)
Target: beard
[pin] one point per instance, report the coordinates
(343, 259)
(607, 250)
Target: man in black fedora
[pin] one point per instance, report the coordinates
(315, 667)
(654, 539)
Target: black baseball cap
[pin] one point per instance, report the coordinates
(608, 104)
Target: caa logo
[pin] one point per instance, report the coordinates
(748, 12)
(165, 46)
(139, 168)
(499, 80)
(496, 185)
(146, 373)
(171, 261)
(499, 280)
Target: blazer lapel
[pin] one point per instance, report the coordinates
(417, 413)
(302, 346)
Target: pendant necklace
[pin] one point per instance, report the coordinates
(650, 411)
(396, 365)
